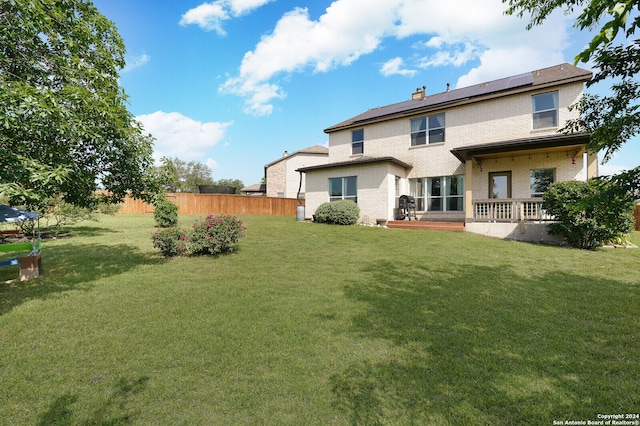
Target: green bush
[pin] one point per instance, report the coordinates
(105, 208)
(165, 213)
(343, 212)
(215, 234)
(170, 241)
(589, 214)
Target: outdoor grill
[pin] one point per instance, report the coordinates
(406, 207)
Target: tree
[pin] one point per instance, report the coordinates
(64, 126)
(185, 176)
(236, 184)
(589, 214)
(611, 120)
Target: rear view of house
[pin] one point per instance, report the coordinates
(482, 155)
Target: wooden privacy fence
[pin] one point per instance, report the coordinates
(218, 204)
(636, 217)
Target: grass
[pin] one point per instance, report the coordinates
(319, 324)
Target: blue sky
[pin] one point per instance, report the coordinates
(235, 83)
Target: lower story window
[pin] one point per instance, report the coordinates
(539, 180)
(442, 193)
(343, 188)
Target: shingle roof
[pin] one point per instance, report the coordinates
(256, 187)
(361, 160)
(534, 80)
(315, 149)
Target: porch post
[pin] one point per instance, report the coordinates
(468, 190)
(592, 165)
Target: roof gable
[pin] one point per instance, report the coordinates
(312, 150)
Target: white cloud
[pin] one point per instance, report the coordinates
(394, 67)
(210, 16)
(180, 136)
(520, 51)
(297, 42)
(610, 169)
(211, 163)
(456, 55)
(454, 21)
(503, 62)
(434, 42)
(456, 32)
(240, 7)
(622, 160)
(135, 62)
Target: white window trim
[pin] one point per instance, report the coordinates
(534, 112)
(428, 129)
(424, 200)
(359, 142)
(342, 196)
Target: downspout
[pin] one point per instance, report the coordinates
(299, 188)
(300, 209)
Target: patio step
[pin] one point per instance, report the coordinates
(423, 224)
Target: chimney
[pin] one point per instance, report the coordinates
(286, 154)
(419, 93)
(448, 86)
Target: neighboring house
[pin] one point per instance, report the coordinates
(482, 155)
(283, 179)
(255, 190)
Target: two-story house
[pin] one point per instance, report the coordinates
(482, 155)
(282, 175)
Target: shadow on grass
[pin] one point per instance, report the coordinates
(70, 266)
(76, 231)
(113, 411)
(479, 345)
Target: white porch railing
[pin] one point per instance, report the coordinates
(509, 210)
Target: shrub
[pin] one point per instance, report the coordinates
(589, 214)
(165, 213)
(215, 234)
(343, 212)
(105, 208)
(170, 241)
(64, 213)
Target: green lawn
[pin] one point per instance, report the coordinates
(317, 324)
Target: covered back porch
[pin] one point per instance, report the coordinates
(505, 182)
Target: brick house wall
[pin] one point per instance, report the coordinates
(375, 182)
(283, 179)
(497, 118)
(492, 121)
(276, 179)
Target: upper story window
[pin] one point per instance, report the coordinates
(357, 142)
(545, 110)
(426, 130)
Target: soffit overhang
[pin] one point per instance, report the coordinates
(555, 143)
